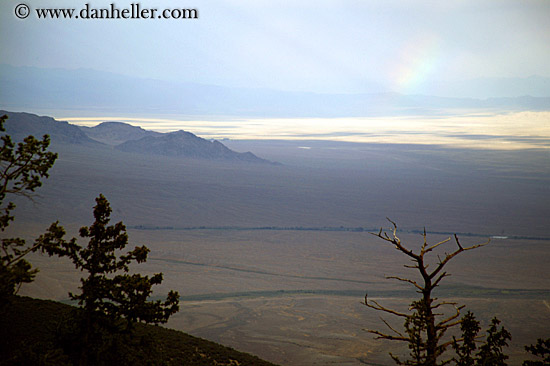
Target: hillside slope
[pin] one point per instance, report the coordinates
(115, 133)
(19, 125)
(29, 326)
(125, 137)
(186, 144)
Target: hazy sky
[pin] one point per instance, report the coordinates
(313, 45)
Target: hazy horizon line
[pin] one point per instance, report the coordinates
(494, 131)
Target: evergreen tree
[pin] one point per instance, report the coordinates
(542, 350)
(21, 169)
(111, 302)
(465, 349)
(490, 353)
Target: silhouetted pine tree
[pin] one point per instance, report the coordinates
(22, 167)
(111, 300)
(542, 350)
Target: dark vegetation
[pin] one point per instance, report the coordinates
(111, 303)
(541, 350)
(427, 323)
(105, 328)
(31, 330)
(490, 352)
(21, 168)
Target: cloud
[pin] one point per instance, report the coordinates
(323, 46)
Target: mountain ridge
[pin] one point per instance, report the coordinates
(125, 137)
(22, 124)
(115, 133)
(91, 90)
(186, 144)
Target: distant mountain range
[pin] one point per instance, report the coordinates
(35, 89)
(185, 144)
(487, 88)
(20, 125)
(116, 133)
(125, 137)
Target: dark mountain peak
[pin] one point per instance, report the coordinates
(124, 137)
(186, 144)
(182, 134)
(21, 124)
(117, 125)
(115, 133)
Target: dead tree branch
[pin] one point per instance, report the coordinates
(423, 329)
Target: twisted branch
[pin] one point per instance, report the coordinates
(431, 279)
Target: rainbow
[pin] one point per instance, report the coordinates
(417, 61)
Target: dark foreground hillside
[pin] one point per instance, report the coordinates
(29, 327)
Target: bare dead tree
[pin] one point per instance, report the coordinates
(426, 325)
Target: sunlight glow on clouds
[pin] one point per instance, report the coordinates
(522, 130)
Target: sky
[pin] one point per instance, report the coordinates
(323, 46)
